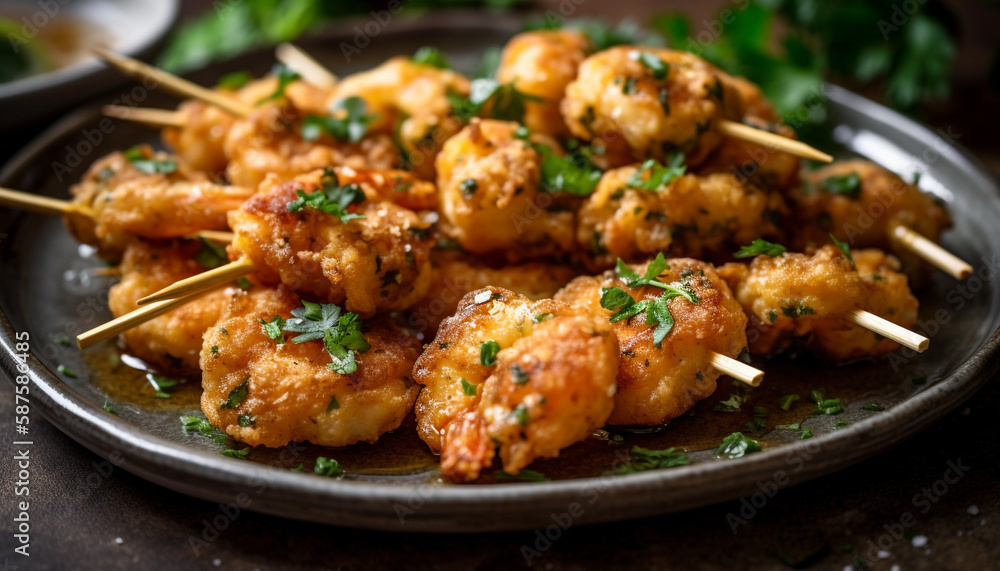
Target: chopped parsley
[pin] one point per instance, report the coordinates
(843, 247)
(468, 388)
(732, 404)
(149, 166)
(211, 255)
(806, 434)
(541, 317)
(849, 185)
(795, 311)
(340, 332)
(736, 445)
(331, 199)
(759, 247)
(246, 420)
(285, 77)
(520, 376)
(645, 459)
(328, 467)
(824, 405)
(786, 402)
(653, 176)
(523, 476)
(238, 454)
(108, 407)
(244, 283)
(468, 187)
(657, 310)
(215, 349)
(488, 353)
(237, 395)
(659, 67)
(501, 100)
(759, 421)
(273, 328)
(521, 415)
(234, 80)
(62, 340)
(199, 425)
(162, 385)
(64, 370)
(873, 406)
(431, 56)
(334, 404)
(348, 121)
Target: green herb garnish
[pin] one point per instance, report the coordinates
(523, 476)
(849, 185)
(786, 402)
(64, 370)
(234, 80)
(201, 426)
(659, 68)
(238, 454)
(348, 121)
(340, 332)
(331, 199)
(736, 445)
(843, 247)
(334, 404)
(246, 420)
(759, 247)
(273, 328)
(468, 388)
(488, 353)
(502, 100)
(431, 56)
(873, 406)
(237, 395)
(328, 467)
(653, 176)
(211, 255)
(645, 459)
(285, 77)
(140, 163)
(519, 374)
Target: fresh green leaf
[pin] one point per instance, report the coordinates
(431, 56)
(140, 163)
(286, 76)
(64, 370)
(843, 247)
(873, 406)
(644, 459)
(339, 331)
(659, 67)
(653, 176)
(487, 97)
(521, 415)
(108, 407)
(488, 353)
(246, 420)
(806, 434)
(468, 388)
(238, 454)
(786, 402)
(273, 328)
(348, 121)
(736, 445)
(523, 476)
(237, 395)
(849, 185)
(331, 199)
(235, 80)
(200, 425)
(328, 467)
(760, 247)
(211, 255)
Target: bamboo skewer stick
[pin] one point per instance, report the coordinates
(149, 116)
(737, 370)
(932, 253)
(888, 329)
(302, 63)
(201, 282)
(42, 204)
(764, 138)
(219, 236)
(130, 320)
(171, 83)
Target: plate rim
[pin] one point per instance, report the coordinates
(369, 504)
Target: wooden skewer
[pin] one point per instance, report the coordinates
(212, 236)
(201, 282)
(149, 116)
(737, 370)
(304, 64)
(171, 83)
(42, 204)
(888, 329)
(764, 138)
(932, 253)
(130, 320)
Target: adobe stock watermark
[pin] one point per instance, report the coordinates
(901, 14)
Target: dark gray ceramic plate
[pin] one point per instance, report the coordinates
(48, 292)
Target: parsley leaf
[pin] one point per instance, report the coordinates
(849, 185)
(234, 80)
(340, 332)
(162, 385)
(285, 77)
(211, 255)
(873, 406)
(64, 370)
(328, 467)
(238, 454)
(488, 353)
(736, 445)
(201, 426)
(431, 56)
(657, 310)
(786, 402)
(843, 247)
(653, 176)
(523, 476)
(759, 247)
(348, 121)
(108, 407)
(245, 420)
(273, 328)
(140, 163)
(659, 67)
(487, 96)
(468, 388)
(237, 395)
(645, 459)
(331, 199)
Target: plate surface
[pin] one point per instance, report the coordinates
(47, 291)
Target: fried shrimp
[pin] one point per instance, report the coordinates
(862, 203)
(542, 63)
(271, 391)
(411, 101)
(648, 102)
(269, 141)
(170, 343)
(658, 382)
(801, 300)
(149, 196)
(488, 183)
(529, 378)
(376, 263)
(456, 274)
(700, 216)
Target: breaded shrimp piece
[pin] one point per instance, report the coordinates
(269, 141)
(376, 263)
(861, 203)
(456, 274)
(542, 63)
(411, 101)
(265, 392)
(706, 217)
(549, 383)
(129, 202)
(659, 382)
(170, 343)
(490, 199)
(396, 186)
(803, 300)
(650, 102)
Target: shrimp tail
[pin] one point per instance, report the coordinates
(467, 448)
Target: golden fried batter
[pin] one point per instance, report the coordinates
(699, 216)
(656, 384)
(171, 342)
(128, 202)
(542, 63)
(864, 215)
(488, 181)
(551, 384)
(800, 300)
(291, 393)
(650, 102)
(377, 263)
